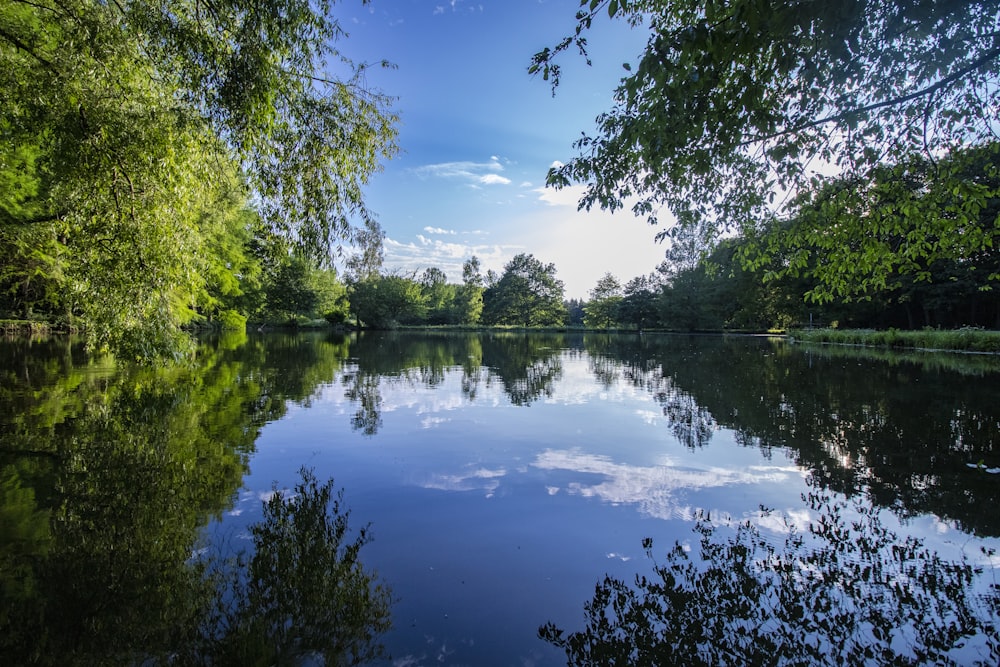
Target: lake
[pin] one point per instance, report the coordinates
(508, 480)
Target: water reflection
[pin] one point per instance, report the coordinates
(526, 367)
(108, 474)
(844, 591)
(902, 431)
(655, 490)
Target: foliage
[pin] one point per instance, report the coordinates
(385, 301)
(921, 220)
(602, 309)
(527, 294)
(575, 312)
(440, 297)
(638, 305)
(846, 591)
(132, 131)
(734, 105)
(304, 592)
(232, 320)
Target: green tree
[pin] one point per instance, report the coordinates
(123, 123)
(385, 301)
(638, 305)
(438, 295)
(733, 104)
(527, 294)
(468, 303)
(575, 310)
(858, 237)
(289, 292)
(602, 309)
(332, 302)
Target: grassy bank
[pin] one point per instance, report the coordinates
(961, 340)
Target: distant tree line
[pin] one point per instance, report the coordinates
(775, 278)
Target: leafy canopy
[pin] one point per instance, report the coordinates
(527, 294)
(733, 106)
(127, 125)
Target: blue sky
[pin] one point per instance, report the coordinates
(477, 135)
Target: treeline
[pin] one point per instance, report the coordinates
(718, 293)
(256, 279)
(783, 276)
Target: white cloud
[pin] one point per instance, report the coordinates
(482, 479)
(473, 173)
(438, 10)
(438, 230)
(444, 255)
(653, 489)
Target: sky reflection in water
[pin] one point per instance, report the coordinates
(497, 503)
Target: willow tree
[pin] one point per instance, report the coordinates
(736, 108)
(127, 125)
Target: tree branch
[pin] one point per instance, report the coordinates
(24, 47)
(936, 86)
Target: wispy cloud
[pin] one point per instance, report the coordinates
(473, 173)
(438, 230)
(655, 490)
(480, 479)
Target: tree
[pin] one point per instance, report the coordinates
(602, 309)
(383, 302)
(290, 292)
(438, 295)
(857, 237)
(575, 312)
(638, 304)
(527, 294)
(123, 123)
(733, 104)
(467, 307)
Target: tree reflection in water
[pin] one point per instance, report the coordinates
(107, 475)
(303, 594)
(527, 367)
(846, 591)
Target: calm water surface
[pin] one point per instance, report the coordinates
(503, 475)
